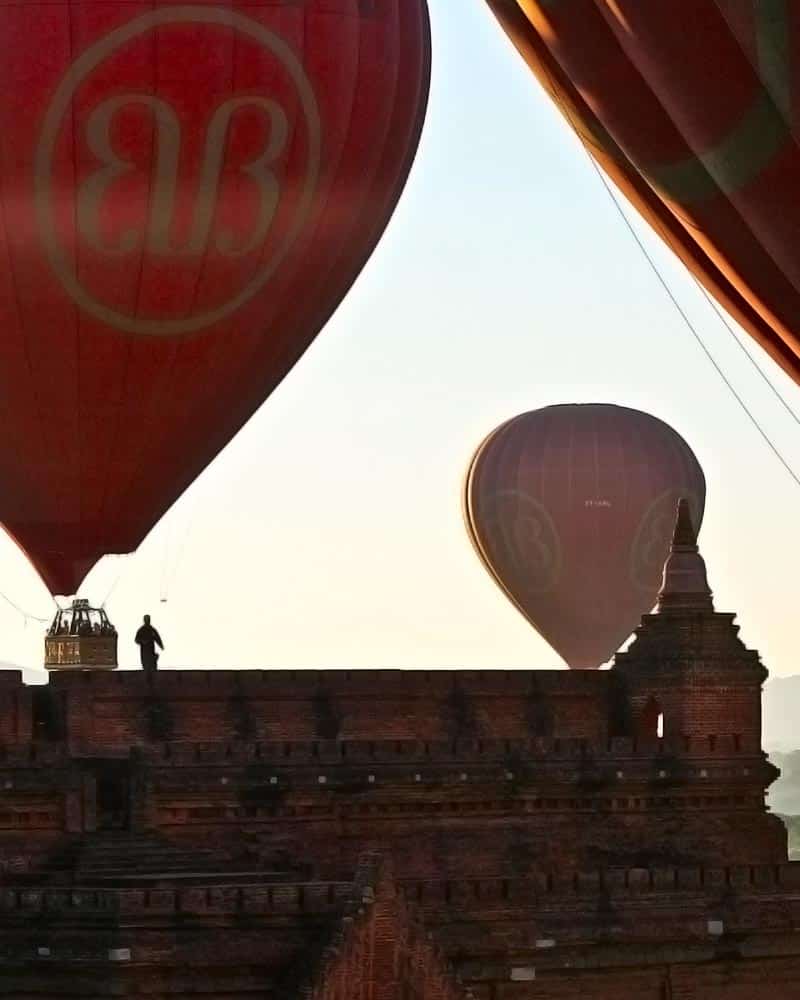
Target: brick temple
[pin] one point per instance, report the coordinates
(392, 835)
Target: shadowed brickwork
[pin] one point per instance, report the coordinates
(361, 835)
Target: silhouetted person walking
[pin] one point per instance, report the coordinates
(147, 638)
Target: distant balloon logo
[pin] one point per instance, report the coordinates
(524, 529)
(571, 510)
(650, 546)
(163, 216)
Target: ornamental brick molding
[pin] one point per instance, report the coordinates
(389, 835)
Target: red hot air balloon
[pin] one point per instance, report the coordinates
(187, 191)
(692, 107)
(571, 509)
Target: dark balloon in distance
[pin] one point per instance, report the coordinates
(571, 509)
(187, 192)
(710, 159)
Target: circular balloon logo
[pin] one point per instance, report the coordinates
(650, 545)
(524, 530)
(237, 154)
(571, 509)
(190, 192)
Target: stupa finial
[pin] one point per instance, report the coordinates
(685, 585)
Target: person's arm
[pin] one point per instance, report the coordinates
(157, 637)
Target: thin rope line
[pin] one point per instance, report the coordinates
(121, 556)
(556, 96)
(23, 613)
(693, 330)
(729, 327)
(171, 576)
(165, 561)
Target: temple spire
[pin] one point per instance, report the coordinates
(685, 585)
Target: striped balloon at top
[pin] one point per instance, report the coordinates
(692, 107)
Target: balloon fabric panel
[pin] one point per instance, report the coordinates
(186, 194)
(691, 106)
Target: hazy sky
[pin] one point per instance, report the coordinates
(329, 532)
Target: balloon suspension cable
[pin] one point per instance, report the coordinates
(673, 298)
(26, 615)
(167, 577)
(696, 334)
(729, 327)
(165, 561)
(165, 581)
(121, 556)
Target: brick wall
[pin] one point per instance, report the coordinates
(542, 844)
(517, 768)
(15, 709)
(107, 712)
(380, 953)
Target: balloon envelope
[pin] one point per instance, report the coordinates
(187, 191)
(710, 157)
(571, 509)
